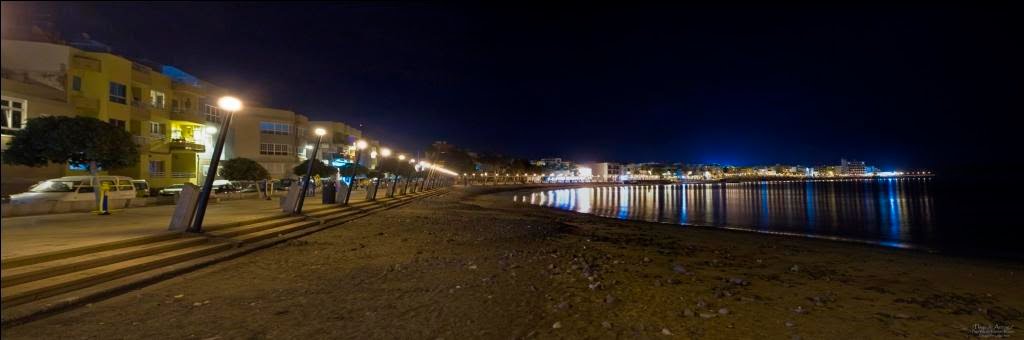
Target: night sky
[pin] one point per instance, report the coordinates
(910, 86)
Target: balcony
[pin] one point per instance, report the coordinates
(188, 115)
(140, 110)
(183, 145)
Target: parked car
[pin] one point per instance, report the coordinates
(141, 187)
(75, 188)
(172, 189)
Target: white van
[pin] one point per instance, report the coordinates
(75, 189)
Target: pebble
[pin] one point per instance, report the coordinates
(679, 269)
(557, 325)
(179, 296)
(473, 267)
(606, 324)
(609, 299)
(665, 331)
(738, 281)
(790, 324)
(687, 312)
(707, 315)
(902, 316)
(794, 268)
(647, 259)
(799, 310)
(723, 311)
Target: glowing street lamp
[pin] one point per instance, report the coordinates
(320, 132)
(231, 105)
(360, 146)
(401, 157)
(384, 153)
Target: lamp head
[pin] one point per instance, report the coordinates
(361, 144)
(385, 152)
(229, 103)
(320, 131)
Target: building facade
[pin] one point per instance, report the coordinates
(172, 115)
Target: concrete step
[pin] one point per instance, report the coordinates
(275, 232)
(31, 291)
(245, 229)
(39, 271)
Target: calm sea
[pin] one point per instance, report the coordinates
(894, 212)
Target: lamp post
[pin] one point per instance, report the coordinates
(384, 153)
(360, 146)
(395, 186)
(407, 180)
(320, 132)
(231, 105)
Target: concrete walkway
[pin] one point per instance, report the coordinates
(26, 235)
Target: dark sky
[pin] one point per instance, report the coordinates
(895, 86)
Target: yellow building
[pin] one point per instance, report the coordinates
(55, 79)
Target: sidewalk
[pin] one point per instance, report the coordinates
(26, 235)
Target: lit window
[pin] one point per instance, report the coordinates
(275, 149)
(156, 99)
(118, 93)
(212, 112)
(14, 113)
(156, 128)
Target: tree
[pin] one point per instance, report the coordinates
(244, 169)
(72, 140)
(319, 168)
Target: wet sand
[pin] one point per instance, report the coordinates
(466, 265)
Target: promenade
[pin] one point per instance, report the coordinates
(26, 235)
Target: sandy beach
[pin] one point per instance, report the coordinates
(474, 264)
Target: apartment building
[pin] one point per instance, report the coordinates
(171, 114)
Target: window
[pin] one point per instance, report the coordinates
(212, 112)
(275, 128)
(118, 123)
(174, 105)
(76, 83)
(274, 149)
(156, 128)
(156, 99)
(156, 168)
(118, 93)
(14, 113)
(136, 96)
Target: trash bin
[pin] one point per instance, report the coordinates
(329, 192)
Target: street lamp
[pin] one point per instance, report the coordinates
(360, 146)
(231, 105)
(401, 157)
(384, 153)
(320, 132)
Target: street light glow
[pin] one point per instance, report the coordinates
(320, 131)
(211, 130)
(229, 103)
(401, 157)
(309, 146)
(385, 152)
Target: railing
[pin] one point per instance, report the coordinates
(182, 174)
(182, 144)
(157, 173)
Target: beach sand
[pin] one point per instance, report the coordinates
(473, 264)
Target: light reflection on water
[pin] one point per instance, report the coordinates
(890, 211)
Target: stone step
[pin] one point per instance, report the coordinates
(244, 229)
(36, 290)
(23, 274)
(275, 232)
